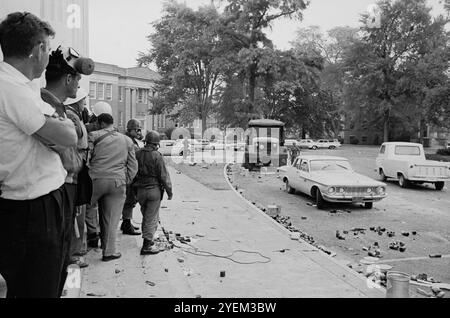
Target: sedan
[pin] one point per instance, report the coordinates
(331, 179)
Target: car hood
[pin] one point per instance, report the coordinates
(344, 178)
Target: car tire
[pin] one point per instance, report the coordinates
(403, 182)
(439, 185)
(320, 202)
(382, 175)
(332, 147)
(314, 148)
(368, 205)
(289, 189)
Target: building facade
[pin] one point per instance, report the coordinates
(129, 92)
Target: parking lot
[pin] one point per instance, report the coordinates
(419, 209)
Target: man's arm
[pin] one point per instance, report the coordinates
(132, 164)
(165, 177)
(58, 131)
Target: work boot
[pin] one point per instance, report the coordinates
(123, 224)
(128, 229)
(92, 240)
(149, 248)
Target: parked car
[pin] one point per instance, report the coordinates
(307, 144)
(166, 146)
(328, 143)
(406, 162)
(331, 179)
(290, 142)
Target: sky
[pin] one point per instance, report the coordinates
(119, 28)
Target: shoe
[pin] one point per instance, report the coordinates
(111, 257)
(149, 248)
(79, 263)
(128, 228)
(81, 254)
(124, 222)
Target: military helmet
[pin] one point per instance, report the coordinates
(152, 138)
(133, 124)
(101, 108)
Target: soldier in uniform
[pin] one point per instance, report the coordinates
(150, 183)
(134, 132)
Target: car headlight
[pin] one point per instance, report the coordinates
(369, 190)
(331, 190)
(340, 190)
(381, 190)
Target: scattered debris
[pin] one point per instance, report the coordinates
(150, 283)
(397, 246)
(405, 233)
(95, 295)
(435, 255)
(295, 236)
(304, 218)
(118, 271)
(414, 233)
(166, 270)
(424, 293)
(390, 234)
(222, 273)
(180, 260)
(178, 172)
(339, 236)
(188, 272)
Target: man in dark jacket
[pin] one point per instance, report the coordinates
(134, 132)
(151, 181)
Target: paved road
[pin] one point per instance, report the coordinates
(420, 209)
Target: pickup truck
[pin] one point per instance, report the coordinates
(406, 162)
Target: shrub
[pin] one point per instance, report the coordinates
(443, 152)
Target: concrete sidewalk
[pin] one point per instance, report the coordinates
(220, 223)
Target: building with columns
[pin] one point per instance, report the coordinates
(129, 92)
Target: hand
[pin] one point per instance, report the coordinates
(170, 197)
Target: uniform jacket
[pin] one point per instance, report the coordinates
(113, 157)
(152, 170)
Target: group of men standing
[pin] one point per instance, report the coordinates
(59, 168)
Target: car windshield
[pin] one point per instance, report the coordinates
(330, 165)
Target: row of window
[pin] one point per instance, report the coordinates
(100, 91)
(103, 91)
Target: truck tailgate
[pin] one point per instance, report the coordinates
(430, 170)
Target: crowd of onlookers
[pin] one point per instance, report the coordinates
(64, 170)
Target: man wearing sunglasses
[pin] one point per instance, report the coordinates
(32, 195)
(134, 132)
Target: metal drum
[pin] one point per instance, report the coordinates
(397, 285)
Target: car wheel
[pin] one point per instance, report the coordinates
(332, 147)
(382, 175)
(439, 185)
(289, 189)
(402, 181)
(314, 148)
(320, 202)
(368, 205)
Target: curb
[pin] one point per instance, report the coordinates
(287, 232)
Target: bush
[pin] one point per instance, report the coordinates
(354, 141)
(443, 152)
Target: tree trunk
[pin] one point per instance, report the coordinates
(386, 129)
(252, 89)
(204, 117)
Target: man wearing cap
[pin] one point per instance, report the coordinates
(151, 181)
(134, 132)
(62, 83)
(112, 167)
(31, 174)
(74, 109)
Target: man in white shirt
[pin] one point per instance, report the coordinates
(31, 173)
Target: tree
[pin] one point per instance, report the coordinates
(243, 24)
(390, 71)
(187, 51)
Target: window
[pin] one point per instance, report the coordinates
(93, 90)
(142, 97)
(383, 150)
(101, 91)
(407, 151)
(109, 91)
(120, 94)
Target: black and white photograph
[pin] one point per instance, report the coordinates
(224, 155)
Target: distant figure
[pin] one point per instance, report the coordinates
(294, 152)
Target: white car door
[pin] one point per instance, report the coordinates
(303, 176)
